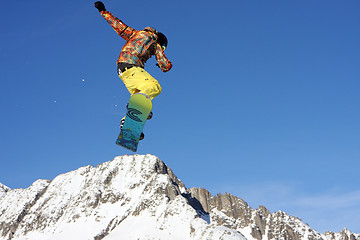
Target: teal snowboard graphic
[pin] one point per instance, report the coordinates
(138, 110)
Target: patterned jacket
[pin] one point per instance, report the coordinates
(139, 46)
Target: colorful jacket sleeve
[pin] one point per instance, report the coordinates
(121, 28)
(164, 63)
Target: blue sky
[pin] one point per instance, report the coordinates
(262, 102)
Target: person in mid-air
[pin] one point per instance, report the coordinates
(139, 47)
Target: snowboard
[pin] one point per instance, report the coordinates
(138, 110)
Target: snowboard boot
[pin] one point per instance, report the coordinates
(122, 124)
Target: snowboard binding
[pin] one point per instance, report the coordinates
(150, 116)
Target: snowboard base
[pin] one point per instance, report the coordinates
(138, 110)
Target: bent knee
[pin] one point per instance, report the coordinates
(159, 88)
(155, 92)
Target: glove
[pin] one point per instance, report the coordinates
(100, 6)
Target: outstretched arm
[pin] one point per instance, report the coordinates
(163, 63)
(121, 28)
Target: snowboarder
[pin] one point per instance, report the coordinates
(139, 47)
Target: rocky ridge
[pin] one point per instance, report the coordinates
(233, 212)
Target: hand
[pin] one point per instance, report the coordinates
(100, 6)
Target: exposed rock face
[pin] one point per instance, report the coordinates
(3, 189)
(139, 197)
(233, 212)
(345, 234)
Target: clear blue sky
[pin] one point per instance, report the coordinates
(262, 102)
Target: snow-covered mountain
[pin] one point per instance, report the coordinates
(138, 197)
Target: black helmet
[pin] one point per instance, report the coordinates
(162, 40)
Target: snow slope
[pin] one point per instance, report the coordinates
(131, 197)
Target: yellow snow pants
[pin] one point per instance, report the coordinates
(137, 80)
